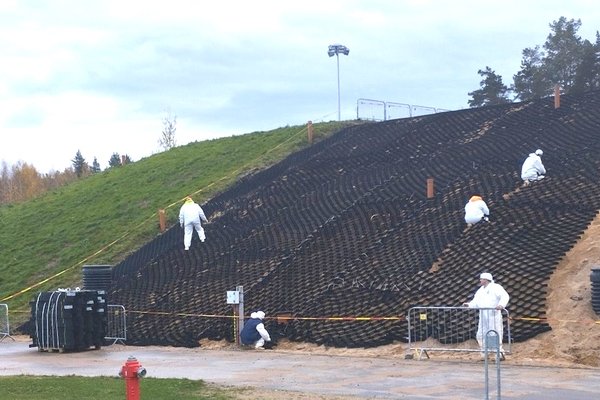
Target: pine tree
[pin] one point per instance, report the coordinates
(565, 60)
(531, 82)
(564, 52)
(588, 72)
(115, 160)
(95, 166)
(79, 165)
(492, 91)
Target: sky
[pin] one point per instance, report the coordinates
(101, 76)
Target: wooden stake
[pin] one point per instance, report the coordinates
(162, 220)
(429, 188)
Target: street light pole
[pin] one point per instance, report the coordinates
(338, 76)
(336, 49)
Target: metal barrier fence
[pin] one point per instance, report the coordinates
(455, 329)
(117, 324)
(378, 110)
(4, 325)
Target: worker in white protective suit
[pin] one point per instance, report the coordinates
(190, 215)
(533, 169)
(476, 210)
(254, 332)
(491, 298)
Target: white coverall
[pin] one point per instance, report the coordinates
(254, 331)
(190, 215)
(475, 210)
(489, 296)
(264, 336)
(532, 169)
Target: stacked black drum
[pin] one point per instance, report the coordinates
(595, 278)
(68, 320)
(97, 277)
(73, 320)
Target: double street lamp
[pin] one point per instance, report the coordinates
(336, 49)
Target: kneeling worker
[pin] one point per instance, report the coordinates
(254, 332)
(476, 210)
(533, 169)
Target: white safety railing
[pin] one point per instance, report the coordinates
(378, 110)
(4, 325)
(456, 329)
(116, 330)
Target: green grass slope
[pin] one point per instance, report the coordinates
(103, 218)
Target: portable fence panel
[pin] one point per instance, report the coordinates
(459, 329)
(117, 324)
(372, 110)
(417, 111)
(4, 325)
(397, 110)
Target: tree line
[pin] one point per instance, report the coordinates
(82, 168)
(565, 59)
(22, 181)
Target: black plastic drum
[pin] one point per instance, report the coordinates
(97, 277)
(595, 278)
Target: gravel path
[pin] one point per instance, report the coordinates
(321, 375)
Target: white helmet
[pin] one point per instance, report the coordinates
(487, 276)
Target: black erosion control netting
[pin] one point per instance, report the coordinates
(345, 229)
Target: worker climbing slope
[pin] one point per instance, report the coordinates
(190, 215)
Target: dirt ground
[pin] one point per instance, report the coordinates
(564, 361)
(575, 334)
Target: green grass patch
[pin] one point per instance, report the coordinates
(103, 218)
(26, 387)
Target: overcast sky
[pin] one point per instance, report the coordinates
(101, 76)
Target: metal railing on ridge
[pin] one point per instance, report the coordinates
(385, 110)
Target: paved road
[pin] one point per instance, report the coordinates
(365, 377)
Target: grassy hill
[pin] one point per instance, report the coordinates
(103, 218)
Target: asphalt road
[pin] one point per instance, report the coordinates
(365, 377)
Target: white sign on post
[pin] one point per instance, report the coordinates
(233, 297)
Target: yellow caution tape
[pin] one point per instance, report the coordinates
(394, 318)
(274, 318)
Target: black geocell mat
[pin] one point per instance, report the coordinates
(345, 228)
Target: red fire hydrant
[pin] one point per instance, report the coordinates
(132, 371)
